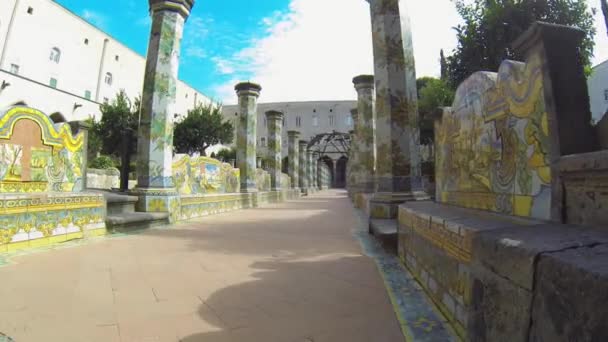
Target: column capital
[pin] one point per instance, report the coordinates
(364, 82)
(248, 88)
(293, 134)
(303, 143)
(183, 7)
(274, 115)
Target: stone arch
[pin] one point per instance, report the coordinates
(340, 176)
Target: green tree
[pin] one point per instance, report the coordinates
(433, 93)
(203, 127)
(491, 26)
(226, 154)
(116, 117)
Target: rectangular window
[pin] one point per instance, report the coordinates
(87, 94)
(15, 69)
(53, 82)
(349, 120)
(606, 95)
(315, 121)
(298, 121)
(263, 142)
(331, 120)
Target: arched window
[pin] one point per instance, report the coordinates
(55, 55)
(109, 78)
(263, 141)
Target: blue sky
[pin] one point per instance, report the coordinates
(215, 29)
(298, 50)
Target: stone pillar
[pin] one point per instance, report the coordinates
(246, 136)
(303, 178)
(155, 185)
(353, 163)
(274, 120)
(334, 174)
(294, 161)
(365, 134)
(398, 172)
(309, 170)
(315, 168)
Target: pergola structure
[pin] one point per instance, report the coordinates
(333, 149)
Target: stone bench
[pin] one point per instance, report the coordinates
(492, 274)
(41, 219)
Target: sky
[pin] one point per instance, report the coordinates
(297, 50)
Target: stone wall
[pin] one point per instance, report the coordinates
(103, 179)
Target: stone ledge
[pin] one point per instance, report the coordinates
(570, 296)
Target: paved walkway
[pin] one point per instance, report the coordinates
(291, 272)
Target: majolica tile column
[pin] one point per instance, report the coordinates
(155, 185)
(315, 173)
(294, 162)
(365, 134)
(303, 178)
(353, 163)
(246, 136)
(398, 173)
(309, 169)
(274, 120)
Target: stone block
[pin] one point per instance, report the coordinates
(500, 310)
(571, 292)
(511, 252)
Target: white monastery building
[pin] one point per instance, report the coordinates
(55, 61)
(309, 118)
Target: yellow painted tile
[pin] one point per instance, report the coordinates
(74, 236)
(57, 239)
(42, 242)
(18, 246)
(97, 232)
(522, 205)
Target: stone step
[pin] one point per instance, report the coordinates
(385, 232)
(125, 222)
(120, 203)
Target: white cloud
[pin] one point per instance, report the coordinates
(95, 18)
(313, 51)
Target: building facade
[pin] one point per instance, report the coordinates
(309, 118)
(55, 61)
(598, 91)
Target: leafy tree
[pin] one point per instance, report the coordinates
(203, 127)
(432, 94)
(491, 26)
(116, 117)
(226, 154)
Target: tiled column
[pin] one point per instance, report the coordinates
(398, 173)
(155, 185)
(274, 120)
(365, 134)
(246, 136)
(309, 170)
(353, 163)
(294, 162)
(303, 178)
(315, 173)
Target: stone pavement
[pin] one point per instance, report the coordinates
(290, 272)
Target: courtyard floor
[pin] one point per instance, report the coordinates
(299, 271)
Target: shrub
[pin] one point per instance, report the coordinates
(102, 162)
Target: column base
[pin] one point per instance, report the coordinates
(385, 205)
(161, 200)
